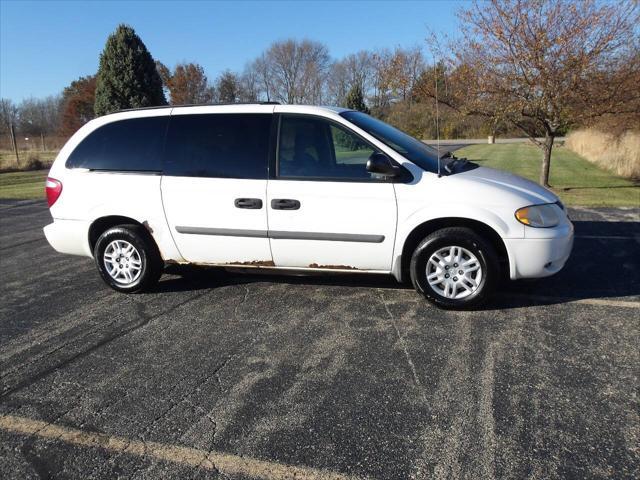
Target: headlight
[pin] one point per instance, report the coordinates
(540, 216)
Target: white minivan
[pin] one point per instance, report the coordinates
(296, 188)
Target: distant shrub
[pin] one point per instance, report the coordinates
(617, 153)
(34, 162)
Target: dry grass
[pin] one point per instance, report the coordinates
(29, 160)
(618, 154)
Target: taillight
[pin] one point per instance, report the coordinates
(53, 188)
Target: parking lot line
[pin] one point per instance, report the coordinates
(211, 460)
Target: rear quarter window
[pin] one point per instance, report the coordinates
(221, 145)
(125, 145)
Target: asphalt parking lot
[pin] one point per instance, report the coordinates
(229, 375)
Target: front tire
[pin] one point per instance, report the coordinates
(454, 268)
(128, 259)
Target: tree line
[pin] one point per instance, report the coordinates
(518, 67)
(289, 71)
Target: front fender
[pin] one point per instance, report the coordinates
(498, 221)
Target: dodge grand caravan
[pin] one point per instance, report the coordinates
(296, 188)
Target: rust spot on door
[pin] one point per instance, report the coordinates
(254, 263)
(333, 267)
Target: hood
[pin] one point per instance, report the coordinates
(508, 183)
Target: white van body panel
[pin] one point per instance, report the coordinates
(208, 228)
(362, 214)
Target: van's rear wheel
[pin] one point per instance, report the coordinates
(127, 259)
(454, 268)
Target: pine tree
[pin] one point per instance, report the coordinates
(127, 76)
(355, 99)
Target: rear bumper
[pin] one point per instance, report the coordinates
(538, 257)
(69, 236)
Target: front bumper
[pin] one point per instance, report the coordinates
(69, 236)
(539, 257)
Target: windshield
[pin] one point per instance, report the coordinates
(414, 150)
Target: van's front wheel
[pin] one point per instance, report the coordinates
(454, 268)
(127, 259)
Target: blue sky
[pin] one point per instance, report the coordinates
(45, 45)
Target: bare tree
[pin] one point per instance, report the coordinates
(249, 85)
(543, 65)
(294, 71)
(339, 86)
(39, 116)
(8, 114)
(353, 71)
(259, 71)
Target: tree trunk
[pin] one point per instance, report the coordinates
(14, 144)
(546, 159)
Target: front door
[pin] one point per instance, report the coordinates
(214, 186)
(325, 210)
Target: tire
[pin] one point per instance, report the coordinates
(134, 269)
(472, 287)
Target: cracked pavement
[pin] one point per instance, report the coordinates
(232, 375)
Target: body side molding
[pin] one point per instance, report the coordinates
(225, 232)
(282, 235)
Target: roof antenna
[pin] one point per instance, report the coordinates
(435, 76)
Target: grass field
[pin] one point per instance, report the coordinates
(572, 178)
(8, 158)
(23, 185)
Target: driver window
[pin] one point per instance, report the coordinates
(312, 147)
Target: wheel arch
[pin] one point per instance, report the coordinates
(101, 224)
(419, 232)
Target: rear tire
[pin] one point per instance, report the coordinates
(455, 268)
(128, 259)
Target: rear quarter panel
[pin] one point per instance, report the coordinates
(88, 195)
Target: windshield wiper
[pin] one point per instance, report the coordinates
(455, 164)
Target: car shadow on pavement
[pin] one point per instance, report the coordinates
(605, 263)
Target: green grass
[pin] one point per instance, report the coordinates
(572, 178)
(23, 185)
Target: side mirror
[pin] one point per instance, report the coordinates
(379, 163)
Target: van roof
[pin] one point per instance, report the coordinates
(238, 104)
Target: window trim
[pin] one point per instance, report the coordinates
(121, 172)
(405, 176)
